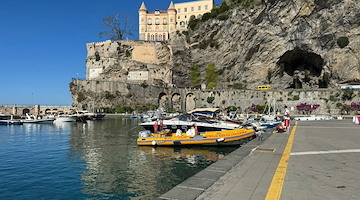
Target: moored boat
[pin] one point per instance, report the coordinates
(184, 123)
(90, 115)
(10, 122)
(205, 118)
(166, 138)
(65, 118)
(34, 119)
(2, 116)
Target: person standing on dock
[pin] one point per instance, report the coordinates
(161, 125)
(287, 119)
(156, 126)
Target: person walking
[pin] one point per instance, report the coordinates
(287, 119)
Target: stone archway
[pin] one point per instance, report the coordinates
(47, 111)
(190, 102)
(176, 102)
(163, 100)
(304, 66)
(26, 110)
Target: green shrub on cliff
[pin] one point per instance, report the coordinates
(195, 76)
(223, 17)
(218, 12)
(81, 97)
(238, 86)
(123, 109)
(109, 96)
(342, 41)
(348, 94)
(193, 23)
(211, 76)
(247, 3)
(210, 99)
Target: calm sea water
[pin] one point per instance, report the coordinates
(93, 160)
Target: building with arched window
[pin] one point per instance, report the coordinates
(159, 25)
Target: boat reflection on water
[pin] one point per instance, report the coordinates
(113, 166)
(192, 155)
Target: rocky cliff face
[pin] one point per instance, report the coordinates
(129, 61)
(304, 44)
(289, 44)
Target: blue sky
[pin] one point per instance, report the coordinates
(43, 44)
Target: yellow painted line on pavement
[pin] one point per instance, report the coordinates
(275, 189)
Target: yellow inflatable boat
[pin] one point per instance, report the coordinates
(166, 138)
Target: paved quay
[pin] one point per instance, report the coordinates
(317, 160)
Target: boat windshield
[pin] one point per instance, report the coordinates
(183, 118)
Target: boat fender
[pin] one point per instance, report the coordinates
(153, 142)
(220, 140)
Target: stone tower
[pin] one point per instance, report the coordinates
(172, 18)
(142, 21)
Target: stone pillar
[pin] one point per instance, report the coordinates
(37, 110)
(14, 111)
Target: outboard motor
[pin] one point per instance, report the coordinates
(144, 134)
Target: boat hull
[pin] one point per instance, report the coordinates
(270, 124)
(38, 121)
(10, 122)
(229, 137)
(65, 119)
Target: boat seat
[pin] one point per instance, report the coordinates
(178, 132)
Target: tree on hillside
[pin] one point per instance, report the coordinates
(195, 76)
(116, 28)
(211, 76)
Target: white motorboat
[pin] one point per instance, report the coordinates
(65, 118)
(90, 115)
(2, 116)
(35, 119)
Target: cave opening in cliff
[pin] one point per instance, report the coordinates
(305, 67)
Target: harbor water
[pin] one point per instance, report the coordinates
(93, 160)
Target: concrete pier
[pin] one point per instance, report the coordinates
(317, 160)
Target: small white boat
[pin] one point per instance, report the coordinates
(90, 115)
(61, 117)
(2, 116)
(34, 119)
(65, 118)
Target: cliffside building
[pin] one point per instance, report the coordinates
(159, 25)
